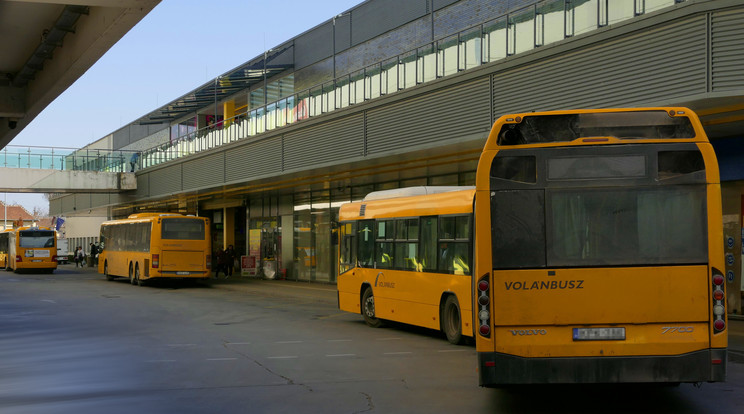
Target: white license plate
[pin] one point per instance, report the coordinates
(598, 334)
(183, 273)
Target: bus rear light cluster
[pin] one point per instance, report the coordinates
(719, 304)
(55, 258)
(155, 261)
(484, 316)
(19, 258)
(209, 261)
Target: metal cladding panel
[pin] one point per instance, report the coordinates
(121, 138)
(98, 200)
(143, 185)
(314, 45)
(329, 142)
(727, 54)
(374, 18)
(68, 203)
(55, 207)
(254, 159)
(82, 201)
(165, 180)
(204, 171)
(450, 113)
(633, 70)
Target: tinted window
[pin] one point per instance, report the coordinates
(36, 238)
(182, 229)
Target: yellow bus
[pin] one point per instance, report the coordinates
(155, 245)
(405, 255)
(599, 250)
(29, 249)
(4, 248)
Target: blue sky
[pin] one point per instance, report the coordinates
(179, 45)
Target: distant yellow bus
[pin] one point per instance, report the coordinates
(599, 250)
(155, 245)
(405, 256)
(29, 249)
(4, 248)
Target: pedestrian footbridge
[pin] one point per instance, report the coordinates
(64, 170)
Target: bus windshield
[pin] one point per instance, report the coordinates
(36, 238)
(568, 127)
(182, 229)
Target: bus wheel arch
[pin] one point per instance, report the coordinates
(106, 271)
(450, 318)
(137, 280)
(367, 304)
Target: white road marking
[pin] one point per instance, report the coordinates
(288, 342)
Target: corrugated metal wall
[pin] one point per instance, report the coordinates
(727, 50)
(254, 159)
(204, 171)
(666, 62)
(166, 180)
(433, 118)
(325, 143)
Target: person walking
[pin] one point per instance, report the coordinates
(92, 254)
(220, 263)
(79, 256)
(229, 261)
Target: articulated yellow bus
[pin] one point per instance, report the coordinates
(29, 249)
(406, 256)
(599, 250)
(155, 245)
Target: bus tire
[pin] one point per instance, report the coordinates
(131, 273)
(451, 321)
(137, 279)
(106, 273)
(368, 309)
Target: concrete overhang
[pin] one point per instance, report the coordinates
(47, 45)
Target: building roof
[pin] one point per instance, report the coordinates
(14, 212)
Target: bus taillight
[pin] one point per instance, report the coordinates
(719, 304)
(155, 261)
(19, 258)
(55, 259)
(209, 261)
(484, 316)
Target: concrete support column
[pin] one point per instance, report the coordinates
(228, 220)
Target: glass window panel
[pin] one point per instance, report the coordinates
(495, 35)
(462, 227)
(522, 25)
(585, 14)
(406, 256)
(384, 255)
(447, 228)
(553, 15)
(448, 56)
(427, 64)
(428, 258)
(619, 10)
(652, 5)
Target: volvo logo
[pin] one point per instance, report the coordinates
(676, 329)
(524, 332)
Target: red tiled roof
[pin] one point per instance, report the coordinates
(15, 212)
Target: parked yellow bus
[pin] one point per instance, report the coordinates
(29, 249)
(599, 250)
(405, 255)
(155, 245)
(4, 248)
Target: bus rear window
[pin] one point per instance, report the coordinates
(36, 238)
(623, 125)
(182, 229)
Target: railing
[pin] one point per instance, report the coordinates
(13, 156)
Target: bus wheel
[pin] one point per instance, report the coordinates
(368, 309)
(131, 274)
(106, 273)
(450, 320)
(137, 279)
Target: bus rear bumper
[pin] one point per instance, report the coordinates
(496, 369)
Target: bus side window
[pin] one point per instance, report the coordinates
(428, 243)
